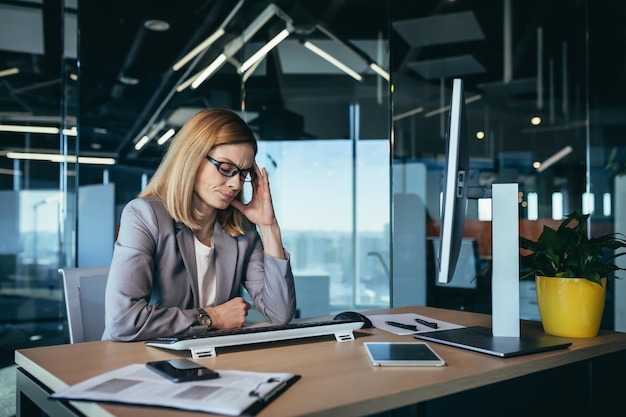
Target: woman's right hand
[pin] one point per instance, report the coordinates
(230, 315)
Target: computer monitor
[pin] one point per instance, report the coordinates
(456, 173)
(455, 195)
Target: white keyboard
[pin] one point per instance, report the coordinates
(203, 345)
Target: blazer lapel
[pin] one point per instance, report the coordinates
(225, 257)
(184, 237)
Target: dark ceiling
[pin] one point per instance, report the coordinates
(124, 111)
(126, 84)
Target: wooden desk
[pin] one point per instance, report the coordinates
(337, 379)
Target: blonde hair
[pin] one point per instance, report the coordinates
(174, 179)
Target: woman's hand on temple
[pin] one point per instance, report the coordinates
(260, 209)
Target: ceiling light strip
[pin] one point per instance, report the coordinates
(148, 136)
(142, 142)
(70, 132)
(166, 136)
(379, 70)
(187, 82)
(237, 43)
(331, 59)
(29, 129)
(446, 108)
(9, 71)
(49, 130)
(89, 160)
(408, 113)
(208, 71)
(265, 49)
(4, 171)
(208, 41)
(191, 79)
(555, 158)
(195, 51)
(247, 74)
(357, 51)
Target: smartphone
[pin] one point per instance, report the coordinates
(182, 370)
(402, 354)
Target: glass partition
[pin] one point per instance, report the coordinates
(38, 170)
(539, 96)
(334, 216)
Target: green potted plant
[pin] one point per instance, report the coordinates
(571, 272)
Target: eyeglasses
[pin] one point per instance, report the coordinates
(229, 170)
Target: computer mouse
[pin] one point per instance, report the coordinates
(353, 315)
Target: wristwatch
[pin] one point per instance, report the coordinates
(204, 319)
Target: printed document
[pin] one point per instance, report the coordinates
(233, 393)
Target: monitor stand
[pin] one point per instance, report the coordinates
(503, 339)
(505, 260)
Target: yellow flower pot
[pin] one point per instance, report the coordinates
(570, 307)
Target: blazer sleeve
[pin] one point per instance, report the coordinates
(270, 283)
(148, 291)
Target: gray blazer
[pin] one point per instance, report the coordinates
(152, 289)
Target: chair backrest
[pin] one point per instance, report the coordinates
(84, 289)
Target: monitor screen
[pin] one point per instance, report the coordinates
(456, 173)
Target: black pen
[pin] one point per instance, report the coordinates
(430, 324)
(402, 325)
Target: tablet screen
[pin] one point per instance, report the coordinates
(402, 354)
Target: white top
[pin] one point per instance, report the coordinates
(206, 272)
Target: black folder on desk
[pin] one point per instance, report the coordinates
(262, 402)
(480, 339)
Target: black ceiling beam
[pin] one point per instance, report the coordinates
(161, 95)
(53, 35)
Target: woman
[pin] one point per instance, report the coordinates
(188, 241)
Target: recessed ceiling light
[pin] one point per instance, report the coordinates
(157, 25)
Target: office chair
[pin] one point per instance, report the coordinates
(83, 289)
